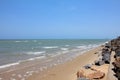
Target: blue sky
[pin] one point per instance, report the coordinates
(38, 19)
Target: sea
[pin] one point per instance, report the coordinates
(13, 52)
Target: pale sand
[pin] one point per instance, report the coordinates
(68, 70)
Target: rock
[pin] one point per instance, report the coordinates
(116, 63)
(80, 74)
(99, 62)
(83, 79)
(107, 45)
(117, 54)
(88, 66)
(115, 46)
(96, 75)
(118, 74)
(96, 53)
(106, 57)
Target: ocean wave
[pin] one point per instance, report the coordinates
(39, 43)
(35, 53)
(34, 40)
(40, 57)
(64, 49)
(21, 41)
(87, 46)
(82, 47)
(94, 45)
(17, 41)
(9, 65)
(67, 45)
(21, 61)
(50, 47)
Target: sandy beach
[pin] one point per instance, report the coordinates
(55, 65)
(67, 71)
(63, 71)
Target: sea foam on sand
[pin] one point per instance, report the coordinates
(8, 65)
(17, 63)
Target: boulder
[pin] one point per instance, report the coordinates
(106, 57)
(99, 62)
(88, 66)
(117, 53)
(81, 74)
(83, 79)
(96, 75)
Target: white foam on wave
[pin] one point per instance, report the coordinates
(34, 40)
(60, 53)
(87, 46)
(17, 41)
(67, 45)
(39, 43)
(82, 47)
(35, 53)
(54, 55)
(25, 41)
(21, 41)
(94, 45)
(9, 65)
(31, 59)
(64, 49)
(40, 57)
(17, 63)
(106, 42)
(50, 47)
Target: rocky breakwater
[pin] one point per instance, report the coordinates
(115, 46)
(98, 69)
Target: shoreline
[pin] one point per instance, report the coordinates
(33, 68)
(67, 71)
(55, 69)
(76, 51)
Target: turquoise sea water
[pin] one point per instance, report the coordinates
(17, 50)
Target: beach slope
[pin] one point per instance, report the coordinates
(68, 70)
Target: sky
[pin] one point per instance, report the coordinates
(59, 19)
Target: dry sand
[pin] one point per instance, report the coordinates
(68, 70)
